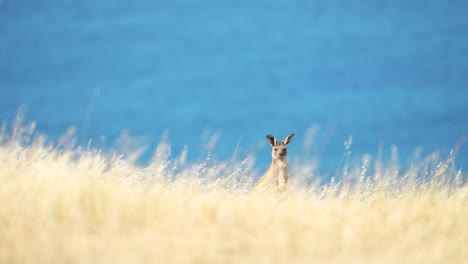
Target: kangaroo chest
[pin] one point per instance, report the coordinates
(281, 171)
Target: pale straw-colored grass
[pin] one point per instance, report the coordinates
(62, 204)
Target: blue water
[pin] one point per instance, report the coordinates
(392, 72)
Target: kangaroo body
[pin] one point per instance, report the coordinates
(277, 176)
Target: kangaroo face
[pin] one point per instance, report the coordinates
(279, 149)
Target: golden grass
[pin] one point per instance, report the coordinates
(79, 206)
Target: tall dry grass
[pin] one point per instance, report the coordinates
(66, 204)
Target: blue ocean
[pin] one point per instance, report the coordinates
(218, 76)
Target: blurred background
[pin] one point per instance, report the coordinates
(385, 72)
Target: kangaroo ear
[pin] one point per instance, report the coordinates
(288, 139)
(271, 140)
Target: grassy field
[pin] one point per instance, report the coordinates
(65, 204)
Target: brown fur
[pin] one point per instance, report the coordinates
(277, 176)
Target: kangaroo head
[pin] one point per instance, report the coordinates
(278, 149)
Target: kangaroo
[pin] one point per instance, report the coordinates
(277, 175)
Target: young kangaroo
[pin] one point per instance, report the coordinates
(277, 175)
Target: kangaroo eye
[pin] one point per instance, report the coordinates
(275, 149)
